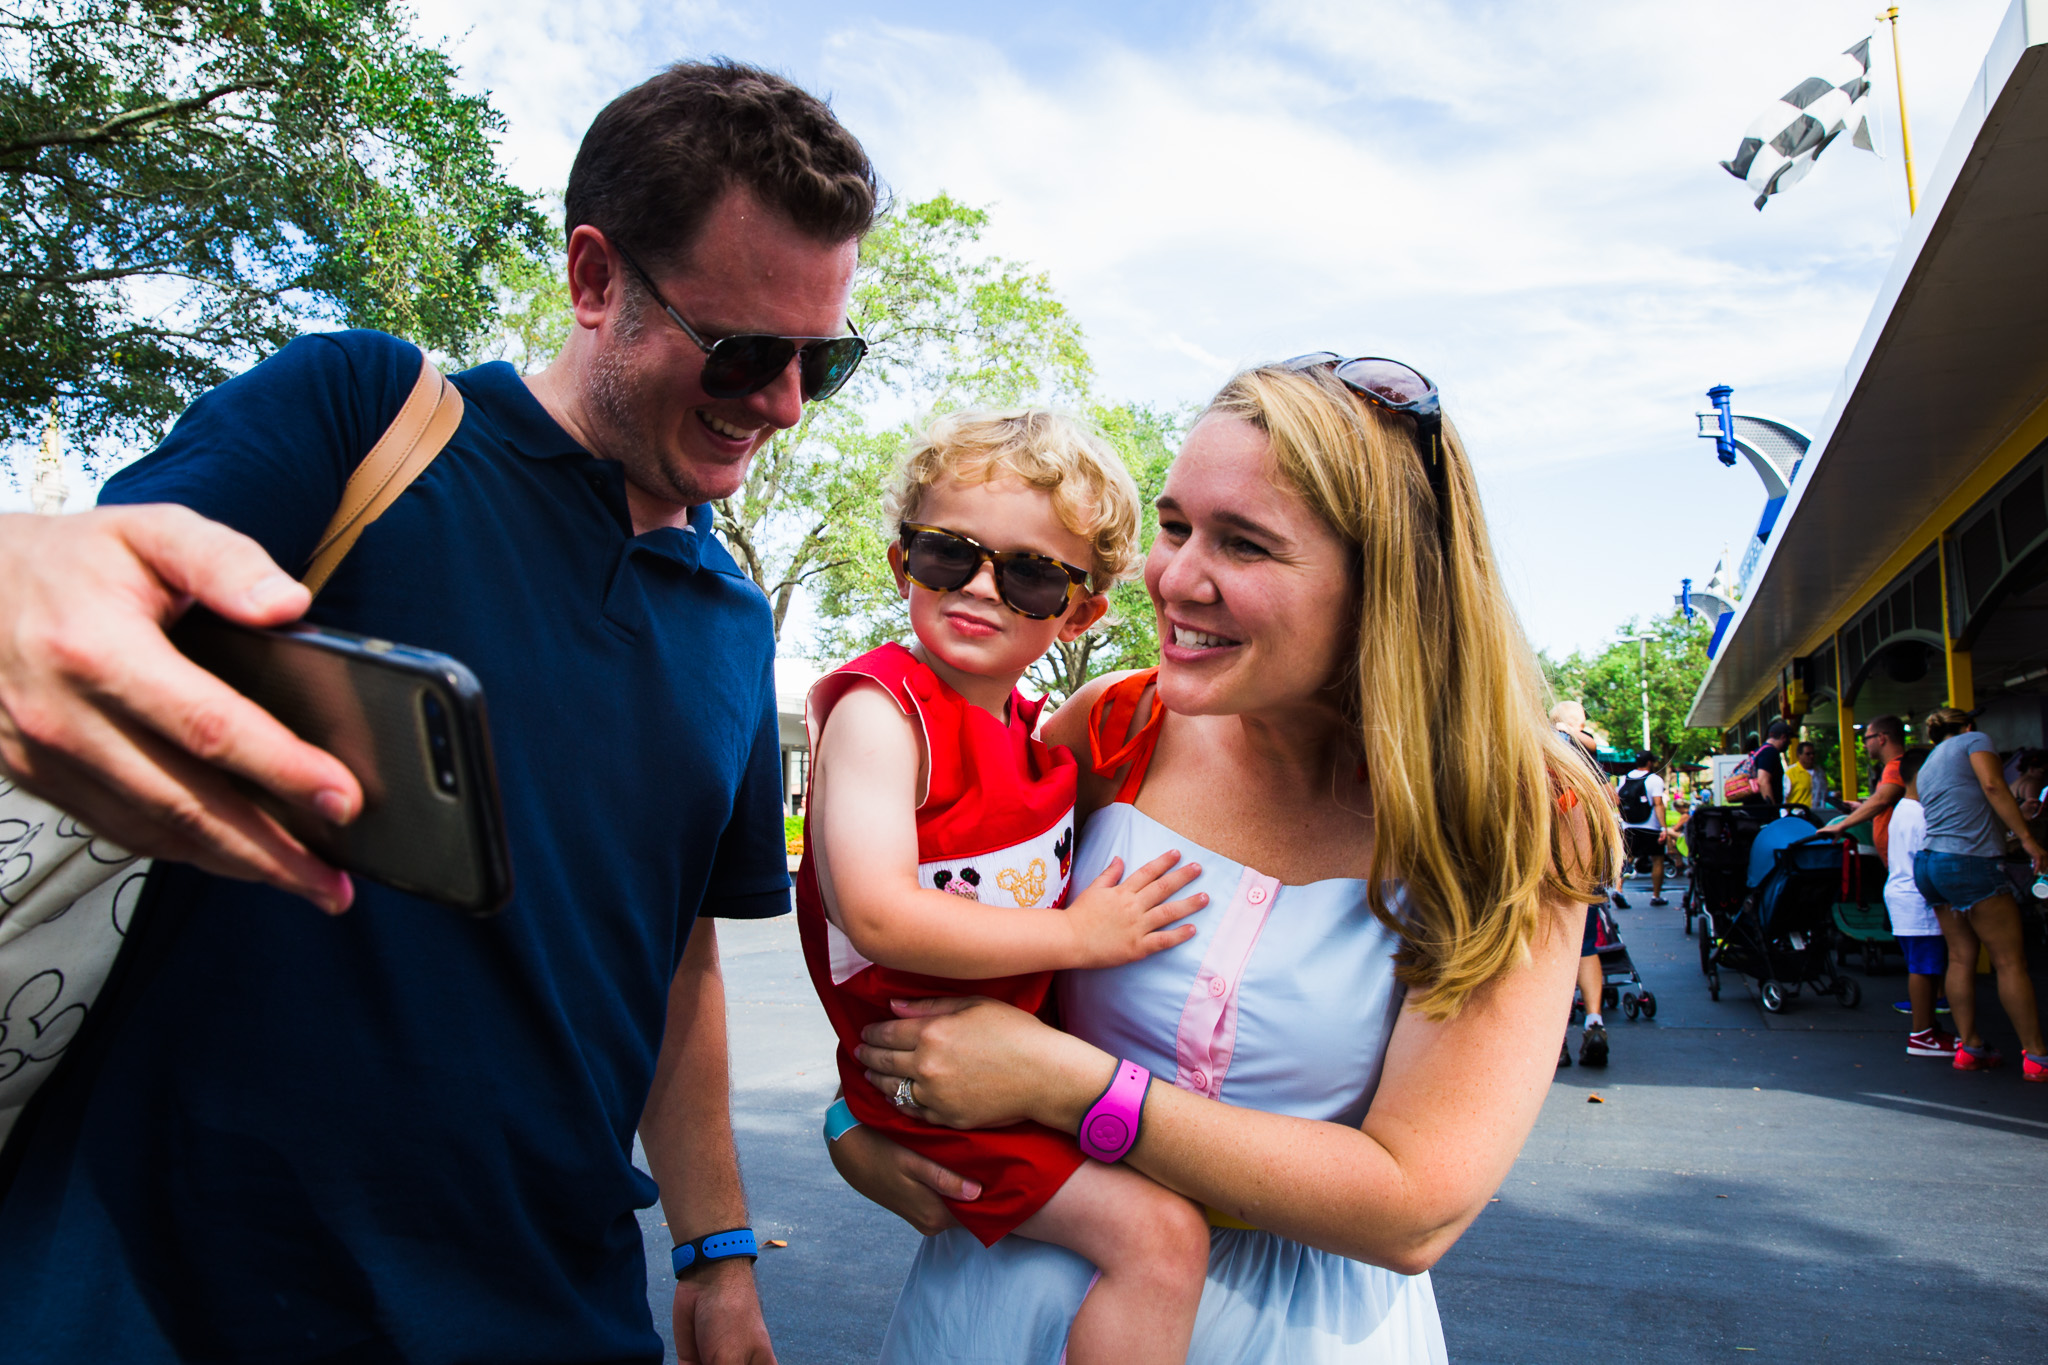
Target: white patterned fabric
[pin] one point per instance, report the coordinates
(1283, 1001)
(1786, 139)
(65, 899)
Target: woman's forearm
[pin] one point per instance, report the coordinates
(1325, 1185)
(1322, 1184)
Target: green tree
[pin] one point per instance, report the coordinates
(1609, 684)
(947, 327)
(190, 183)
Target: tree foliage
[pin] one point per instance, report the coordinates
(190, 183)
(1609, 684)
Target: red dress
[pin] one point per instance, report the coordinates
(996, 827)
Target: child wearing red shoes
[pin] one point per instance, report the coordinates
(939, 835)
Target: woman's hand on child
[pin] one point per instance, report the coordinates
(1114, 922)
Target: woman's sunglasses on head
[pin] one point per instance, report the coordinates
(1032, 585)
(736, 366)
(1395, 387)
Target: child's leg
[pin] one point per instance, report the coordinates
(1152, 1247)
(1920, 990)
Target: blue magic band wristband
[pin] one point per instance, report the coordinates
(839, 1120)
(718, 1246)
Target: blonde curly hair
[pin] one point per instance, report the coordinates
(1093, 494)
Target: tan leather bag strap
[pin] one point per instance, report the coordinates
(429, 417)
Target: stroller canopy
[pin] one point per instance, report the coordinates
(1779, 834)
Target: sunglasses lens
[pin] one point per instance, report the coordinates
(738, 366)
(829, 364)
(1388, 379)
(1035, 587)
(939, 561)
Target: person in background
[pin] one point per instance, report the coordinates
(1884, 739)
(1962, 866)
(1640, 799)
(1770, 770)
(2029, 773)
(1570, 719)
(1914, 923)
(1805, 784)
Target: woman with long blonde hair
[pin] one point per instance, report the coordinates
(1347, 732)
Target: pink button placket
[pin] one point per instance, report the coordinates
(1208, 1022)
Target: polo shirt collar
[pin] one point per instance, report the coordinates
(528, 429)
(521, 420)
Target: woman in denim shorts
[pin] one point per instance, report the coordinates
(1961, 871)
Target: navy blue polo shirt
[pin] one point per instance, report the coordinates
(403, 1134)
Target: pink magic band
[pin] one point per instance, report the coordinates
(1110, 1127)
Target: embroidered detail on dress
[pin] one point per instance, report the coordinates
(1027, 886)
(967, 883)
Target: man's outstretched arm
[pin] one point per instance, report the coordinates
(687, 1132)
(101, 715)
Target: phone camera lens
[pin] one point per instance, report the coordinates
(440, 744)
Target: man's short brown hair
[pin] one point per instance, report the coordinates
(659, 156)
(1890, 726)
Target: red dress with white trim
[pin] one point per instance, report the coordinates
(995, 827)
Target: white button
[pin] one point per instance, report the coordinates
(1257, 896)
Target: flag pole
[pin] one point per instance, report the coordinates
(1891, 16)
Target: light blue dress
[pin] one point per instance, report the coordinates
(1283, 1001)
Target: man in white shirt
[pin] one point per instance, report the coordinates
(1641, 800)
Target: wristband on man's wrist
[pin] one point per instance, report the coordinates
(717, 1246)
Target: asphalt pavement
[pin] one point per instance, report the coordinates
(1749, 1186)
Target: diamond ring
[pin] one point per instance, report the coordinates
(903, 1099)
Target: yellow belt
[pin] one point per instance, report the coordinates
(1218, 1219)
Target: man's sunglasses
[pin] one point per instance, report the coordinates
(736, 366)
(1032, 585)
(1398, 388)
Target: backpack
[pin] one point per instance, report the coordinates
(1741, 784)
(1635, 802)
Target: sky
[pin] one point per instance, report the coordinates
(1522, 201)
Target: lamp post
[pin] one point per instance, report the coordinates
(1644, 642)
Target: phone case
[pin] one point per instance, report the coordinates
(409, 723)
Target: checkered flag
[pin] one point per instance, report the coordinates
(1785, 140)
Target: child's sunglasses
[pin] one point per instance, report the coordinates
(736, 366)
(1032, 585)
(1398, 388)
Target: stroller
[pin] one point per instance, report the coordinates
(1617, 972)
(1783, 933)
(1718, 838)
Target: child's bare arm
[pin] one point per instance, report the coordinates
(864, 793)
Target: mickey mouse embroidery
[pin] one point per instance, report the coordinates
(966, 885)
(1064, 851)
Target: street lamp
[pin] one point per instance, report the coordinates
(1644, 642)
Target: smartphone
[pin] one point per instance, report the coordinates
(409, 723)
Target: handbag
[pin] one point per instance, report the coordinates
(66, 896)
(1740, 785)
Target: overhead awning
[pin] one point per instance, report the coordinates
(1946, 389)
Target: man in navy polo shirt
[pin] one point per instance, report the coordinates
(396, 1133)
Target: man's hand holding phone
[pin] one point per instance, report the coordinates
(100, 713)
